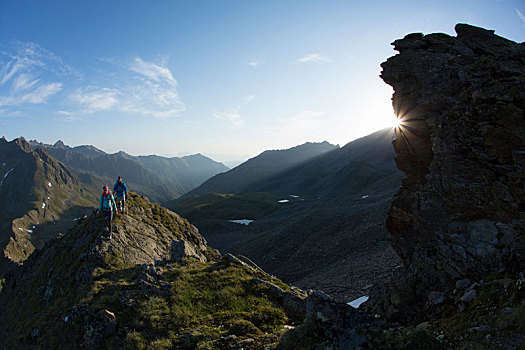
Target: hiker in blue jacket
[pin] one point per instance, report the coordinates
(107, 206)
(120, 189)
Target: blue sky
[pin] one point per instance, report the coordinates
(228, 79)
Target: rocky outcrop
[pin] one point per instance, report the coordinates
(460, 212)
(56, 279)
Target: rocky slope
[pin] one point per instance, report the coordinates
(156, 284)
(458, 221)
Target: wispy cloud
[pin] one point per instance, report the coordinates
(233, 115)
(152, 71)
(24, 78)
(230, 115)
(256, 63)
(93, 99)
(39, 94)
(138, 87)
(30, 74)
(314, 58)
(150, 89)
(521, 16)
(298, 125)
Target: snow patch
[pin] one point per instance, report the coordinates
(294, 196)
(43, 205)
(284, 201)
(2, 182)
(49, 184)
(30, 231)
(21, 229)
(243, 221)
(357, 302)
(3, 164)
(365, 196)
(34, 226)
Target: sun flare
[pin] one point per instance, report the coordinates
(396, 122)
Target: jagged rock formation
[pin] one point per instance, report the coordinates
(461, 209)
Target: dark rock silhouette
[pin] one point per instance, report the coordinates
(460, 211)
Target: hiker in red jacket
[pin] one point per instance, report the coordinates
(107, 207)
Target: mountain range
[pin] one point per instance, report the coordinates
(249, 174)
(159, 178)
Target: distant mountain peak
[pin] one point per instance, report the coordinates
(60, 144)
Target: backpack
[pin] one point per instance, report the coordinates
(120, 186)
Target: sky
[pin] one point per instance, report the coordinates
(225, 78)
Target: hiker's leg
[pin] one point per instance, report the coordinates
(110, 219)
(108, 216)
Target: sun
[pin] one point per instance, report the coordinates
(396, 123)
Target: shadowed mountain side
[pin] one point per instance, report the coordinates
(340, 171)
(242, 178)
(109, 166)
(336, 245)
(189, 171)
(328, 218)
(39, 198)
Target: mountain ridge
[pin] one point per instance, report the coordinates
(160, 178)
(267, 163)
(38, 197)
(82, 290)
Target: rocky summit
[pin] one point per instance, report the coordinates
(155, 284)
(458, 221)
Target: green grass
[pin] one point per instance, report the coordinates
(192, 305)
(207, 303)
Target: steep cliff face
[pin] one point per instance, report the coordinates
(460, 211)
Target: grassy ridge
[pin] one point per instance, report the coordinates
(55, 299)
